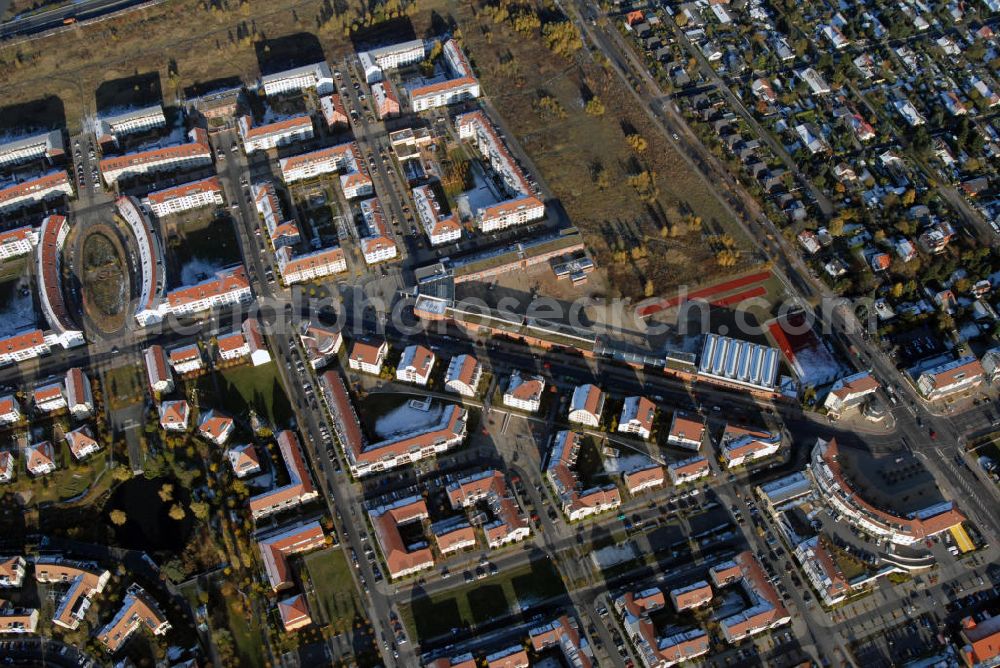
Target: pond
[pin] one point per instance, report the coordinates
(149, 526)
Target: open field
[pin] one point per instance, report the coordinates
(334, 589)
(235, 390)
(126, 385)
(480, 603)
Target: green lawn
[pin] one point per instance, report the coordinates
(125, 385)
(234, 390)
(338, 597)
(481, 602)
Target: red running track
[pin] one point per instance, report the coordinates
(704, 293)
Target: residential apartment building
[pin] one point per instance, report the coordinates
(415, 365)
(186, 359)
(215, 427)
(48, 145)
(390, 57)
(400, 559)
(368, 357)
(950, 378)
(79, 396)
(463, 375)
(690, 596)
(510, 213)
(10, 409)
(40, 458)
(850, 392)
(81, 443)
(321, 343)
(560, 471)
(244, 460)
(377, 245)
(342, 159)
(49, 398)
(686, 432)
(316, 76)
(17, 242)
(587, 405)
(309, 266)
(637, 417)
(174, 415)
(364, 458)
(334, 113)
(157, 372)
(24, 345)
(524, 392)
(275, 133)
(111, 128)
(278, 547)
(196, 153)
(227, 288)
(838, 492)
(20, 194)
(688, 470)
(85, 580)
(299, 488)
(439, 228)
(741, 445)
(639, 480)
(138, 610)
(385, 99)
(187, 196)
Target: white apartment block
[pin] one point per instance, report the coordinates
(390, 57)
(79, 396)
(193, 195)
(310, 266)
(637, 417)
(524, 392)
(110, 128)
(377, 245)
(186, 359)
(157, 372)
(478, 129)
(169, 158)
(14, 196)
(45, 145)
(10, 410)
(354, 179)
(23, 346)
(513, 212)
(463, 375)
(415, 365)
(439, 229)
(228, 287)
(443, 94)
(150, 260)
(951, 378)
(274, 134)
(587, 405)
(368, 357)
(48, 398)
(317, 75)
(17, 242)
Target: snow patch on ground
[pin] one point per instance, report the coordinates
(197, 270)
(407, 419)
(613, 555)
(17, 308)
(481, 195)
(627, 462)
(816, 366)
